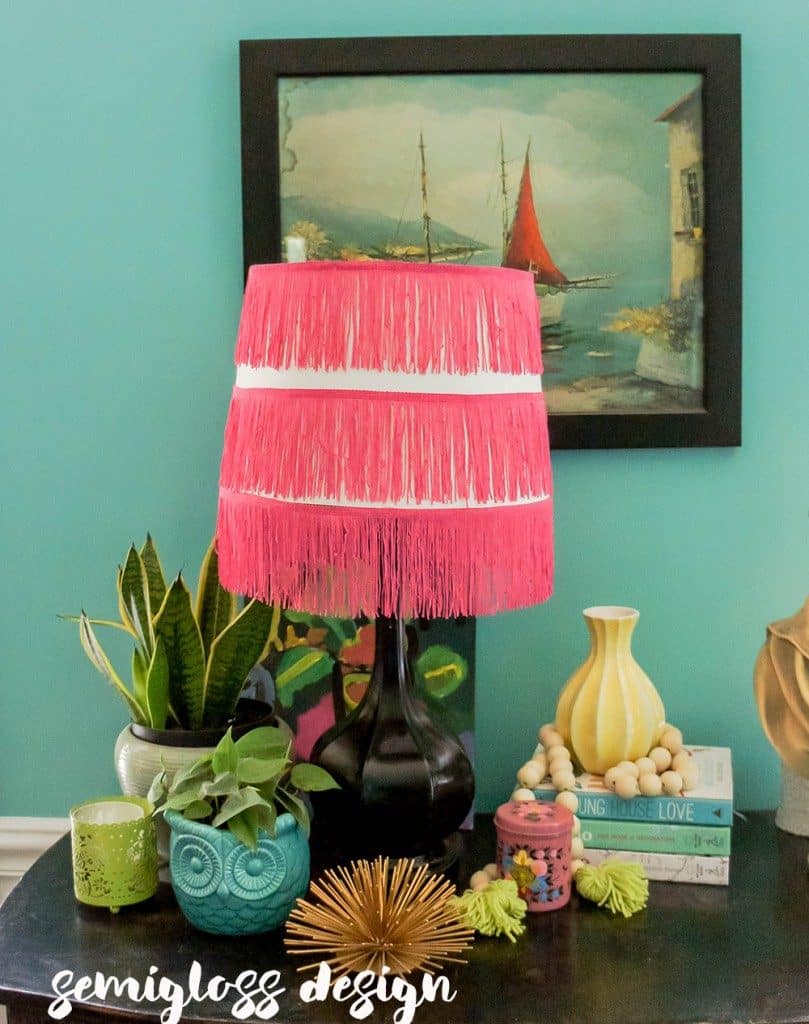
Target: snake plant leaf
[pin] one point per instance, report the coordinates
(215, 607)
(176, 624)
(297, 668)
(266, 741)
(133, 598)
(233, 653)
(95, 652)
(157, 686)
(155, 580)
(125, 627)
(140, 670)
(440, 671)
(258, 769)
(311, 778)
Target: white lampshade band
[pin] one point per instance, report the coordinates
(302, 379)
(424, 506)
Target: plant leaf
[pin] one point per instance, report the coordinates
(133, 598)
(236, 803)
(241, 827)
(180, 801)
(312, 778)
(299, 667)
(95, 652)
(140, 670)
(193, 772)
(176, 624)
(155, 580)
(223, 785)
(125, 627)
(257, 769)
(296, 808)
(233, 653)
(157, 686)
(198, 810)
(264, 742)
(215, 607)
(225, 757)
(264, 816)
(157, 791)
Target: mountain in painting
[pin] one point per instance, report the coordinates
(367, 231)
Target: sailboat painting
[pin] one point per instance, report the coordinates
(590, 182)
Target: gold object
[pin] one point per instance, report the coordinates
(609, 711)
(781, 680)
(378, 914)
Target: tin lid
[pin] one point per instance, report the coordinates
(535, 818)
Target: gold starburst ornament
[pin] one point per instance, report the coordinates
(379, 914)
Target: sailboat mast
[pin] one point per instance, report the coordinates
(504, 190)
(425, 214)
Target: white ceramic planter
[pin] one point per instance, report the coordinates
(793, 810)
(137, 761)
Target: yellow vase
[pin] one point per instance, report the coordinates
(609, 710)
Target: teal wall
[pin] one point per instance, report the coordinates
(120, 273)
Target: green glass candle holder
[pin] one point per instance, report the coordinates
(114, 851)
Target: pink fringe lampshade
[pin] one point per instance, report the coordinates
(386, 450)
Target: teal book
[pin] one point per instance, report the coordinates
(653, 837)
(711, 803)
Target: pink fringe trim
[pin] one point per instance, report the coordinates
(434, 564)
(415, 318)
(381, 447)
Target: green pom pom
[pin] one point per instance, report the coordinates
(619, 886)
(495, 910)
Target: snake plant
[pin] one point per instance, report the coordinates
(190, 658)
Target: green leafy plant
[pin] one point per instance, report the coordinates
(243, 785)
(191, 658)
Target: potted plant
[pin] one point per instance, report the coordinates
(189, 665)
(239, 850)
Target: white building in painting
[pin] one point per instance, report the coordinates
(684, 120)
(681, 364)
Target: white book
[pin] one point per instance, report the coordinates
(670, 867)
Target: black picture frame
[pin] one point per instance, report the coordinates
(716, 57)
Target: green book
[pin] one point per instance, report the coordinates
(652, 837)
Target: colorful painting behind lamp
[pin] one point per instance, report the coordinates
(593, 182)
(314, 661)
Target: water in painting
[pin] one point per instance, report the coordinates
(591, 182)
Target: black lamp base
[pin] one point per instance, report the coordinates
(405, 785)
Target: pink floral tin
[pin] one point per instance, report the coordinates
(533, 849)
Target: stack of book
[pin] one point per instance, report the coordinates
(676, 838)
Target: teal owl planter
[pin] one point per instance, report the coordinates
(224, 887)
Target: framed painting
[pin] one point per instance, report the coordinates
(608, 167)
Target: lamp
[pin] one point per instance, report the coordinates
(386, 453)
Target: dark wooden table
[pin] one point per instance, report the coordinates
(697, 954)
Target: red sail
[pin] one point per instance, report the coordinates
(526, 250)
